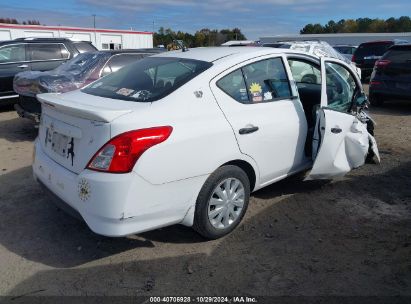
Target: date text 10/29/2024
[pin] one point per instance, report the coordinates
(201, 299)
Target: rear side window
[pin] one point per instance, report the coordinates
(262, 81)
(48, 51)
(148, 79)
(233, 84)
(266, 80)
(83, 47)
(13, 53)
(399, 55)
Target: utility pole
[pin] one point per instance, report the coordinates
(94, 25)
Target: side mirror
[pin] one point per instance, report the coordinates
(361, 100)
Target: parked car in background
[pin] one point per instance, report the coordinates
(368, 53)
(315, 47)
(346, 50)
(391, 77)
(74, 74)
(184, 137)
(235, 43)
(34, 54)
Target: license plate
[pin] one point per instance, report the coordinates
(59, 143)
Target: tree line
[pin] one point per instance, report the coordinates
(203, 37)
(15, 21)
(360, 25)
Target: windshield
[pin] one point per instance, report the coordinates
(147, 80)
(83, 47)
(83, 62)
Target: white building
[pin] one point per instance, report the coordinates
(101, 38)
(341, 38)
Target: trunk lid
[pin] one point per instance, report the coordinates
(75, 125)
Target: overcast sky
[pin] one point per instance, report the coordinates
(255, 18)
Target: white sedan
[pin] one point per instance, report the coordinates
(186, 136)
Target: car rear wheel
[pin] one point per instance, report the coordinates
(222, 202)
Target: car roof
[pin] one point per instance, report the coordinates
(41, 40)
(220, 54)
(133, 51)
(401, 46)
(394, 41)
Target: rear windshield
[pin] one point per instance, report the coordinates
(83, 62)
(372, 49)
(83, 47)
(147, 80)
(402, 55)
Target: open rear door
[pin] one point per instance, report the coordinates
(340, 140)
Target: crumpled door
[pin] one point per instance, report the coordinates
(341, 140)
(340, 144)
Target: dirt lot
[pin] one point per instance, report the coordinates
(351, 236)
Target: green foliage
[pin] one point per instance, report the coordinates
(360, 25)
(14, 21)
(203, 37)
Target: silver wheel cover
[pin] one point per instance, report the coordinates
(226, 203)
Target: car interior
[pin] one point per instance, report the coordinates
(307, 76)
(341, 90)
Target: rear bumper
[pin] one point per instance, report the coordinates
(12, 95)
(118, 204)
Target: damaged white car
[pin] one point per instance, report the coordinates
(184, 137)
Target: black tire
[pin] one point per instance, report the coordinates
(376, 100)
(201, 222)
(370, 156)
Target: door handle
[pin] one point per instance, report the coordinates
(336, 130)
(248, 130)
(23, 66)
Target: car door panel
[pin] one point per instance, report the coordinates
(341, 140)
(272, 133)
(7, 73)
(343, 143)
(10, 67)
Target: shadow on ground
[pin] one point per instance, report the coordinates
(393, 107)
(350, 237)
(18, 129)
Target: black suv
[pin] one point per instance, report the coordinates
(391, 76)
(36, 54)
(368, 53)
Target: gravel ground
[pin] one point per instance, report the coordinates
(351, 236)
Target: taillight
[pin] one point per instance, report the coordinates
(120, 154)
(382, 63)
(353, 58)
